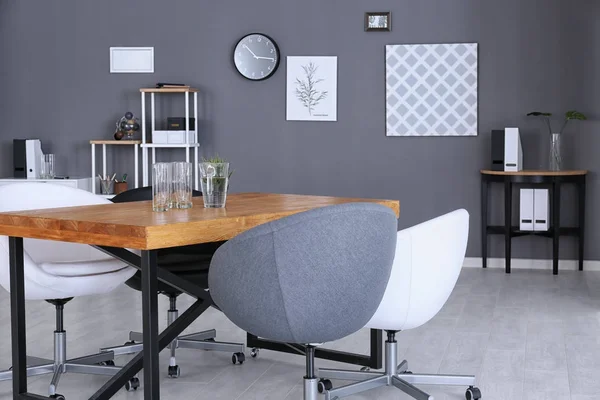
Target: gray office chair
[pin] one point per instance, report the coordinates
(310, 278)
(190, 263)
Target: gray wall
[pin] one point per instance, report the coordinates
(534, 54)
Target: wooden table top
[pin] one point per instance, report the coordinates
(135, 225)
(536, 172)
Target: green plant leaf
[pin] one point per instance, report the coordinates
(569, 115)
(539, 114)
(216, 159)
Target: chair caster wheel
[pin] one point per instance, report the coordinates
(109, 363)
(324, 385)
(174, 371)
(57, 397)
(365, 369)
(132, 385)
(473, 393)
(254, 352)
(238, 358)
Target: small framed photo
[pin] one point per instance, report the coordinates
(378, 21)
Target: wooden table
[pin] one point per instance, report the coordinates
(554, 179)
(114, 227)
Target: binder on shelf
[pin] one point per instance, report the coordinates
(526, 214)
(541, 210)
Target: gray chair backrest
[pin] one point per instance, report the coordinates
(313, 277)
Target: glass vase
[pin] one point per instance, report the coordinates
(555, 152)
(215, 183)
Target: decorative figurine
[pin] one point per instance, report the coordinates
(127, 126)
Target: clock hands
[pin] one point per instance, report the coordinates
(251, 52)
(265, 58)
(258, 57)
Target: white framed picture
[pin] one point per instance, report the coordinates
(311, 88)
(132, 60)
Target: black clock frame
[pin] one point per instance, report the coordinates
(276, 64)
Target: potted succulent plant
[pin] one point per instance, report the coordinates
(555, 137)
(215, 176)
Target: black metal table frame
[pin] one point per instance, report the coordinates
(153, 342)
(374, 360)
(555, 181)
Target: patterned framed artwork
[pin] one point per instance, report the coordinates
(431, 89)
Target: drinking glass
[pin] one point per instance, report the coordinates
(161, 187)
(171, 197)
(182, 184)
(47, 166)
(215, 181)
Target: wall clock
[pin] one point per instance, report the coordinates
(256, 56)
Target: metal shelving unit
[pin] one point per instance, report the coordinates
(104, 143)
(145, 145)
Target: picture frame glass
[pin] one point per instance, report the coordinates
(378, 21)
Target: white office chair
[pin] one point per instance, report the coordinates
(428, 260)
(57, 272)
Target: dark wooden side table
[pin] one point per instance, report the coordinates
(532, 178)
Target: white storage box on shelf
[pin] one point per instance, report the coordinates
(178, 137)
(173, 137)
(169, 139)
(160, 137)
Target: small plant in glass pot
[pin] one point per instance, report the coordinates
(215, 176)
(555, 137)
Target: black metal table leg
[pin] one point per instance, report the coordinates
(116, 383)
(17, 310)
(507, 222)
(374, 360)
(581, 237)
(484, 220)
(150, 325)
(555, 224)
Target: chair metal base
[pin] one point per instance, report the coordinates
(395, 375)
(197, 341)
(60, 365)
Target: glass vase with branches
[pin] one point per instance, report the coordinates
(555, 160)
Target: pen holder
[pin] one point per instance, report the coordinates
(106, 186)
(120, 187)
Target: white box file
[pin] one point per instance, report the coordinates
(526, 206)
(541, 210)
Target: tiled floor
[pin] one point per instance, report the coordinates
(528, 335)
